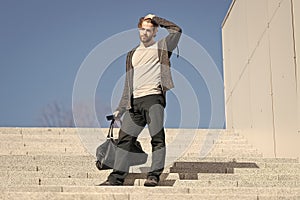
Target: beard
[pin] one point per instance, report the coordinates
(145, 39)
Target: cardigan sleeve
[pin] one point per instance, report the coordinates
(174, 32)
(125, 99)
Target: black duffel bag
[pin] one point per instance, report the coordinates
(105, 153)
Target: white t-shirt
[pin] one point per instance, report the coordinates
(146, 76)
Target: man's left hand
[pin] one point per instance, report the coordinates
(149, 16)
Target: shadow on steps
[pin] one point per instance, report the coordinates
(190, 171)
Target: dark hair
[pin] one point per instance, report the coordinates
(142, 19)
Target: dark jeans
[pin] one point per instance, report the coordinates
(147, 110)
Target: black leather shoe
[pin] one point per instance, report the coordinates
(107, 183)
(151, 181)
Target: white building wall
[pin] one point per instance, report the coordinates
(296, 13)
(261, 75)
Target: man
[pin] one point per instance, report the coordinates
(148, 77)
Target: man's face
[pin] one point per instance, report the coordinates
(147, 32)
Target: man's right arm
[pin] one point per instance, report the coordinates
(124, 101)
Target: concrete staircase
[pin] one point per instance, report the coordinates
(53, 163)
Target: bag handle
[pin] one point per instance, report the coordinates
(111, 131)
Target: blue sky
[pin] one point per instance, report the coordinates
(44, 42)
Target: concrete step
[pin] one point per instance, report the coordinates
(232, 181)
(232, 146)
(246, 159)
(209, 167)
(232, 155)
(87, 167)
(67, 152)
(171, 134)
(229, 141)
(19, 181)
(237, 183)
(137, 196)
(64, 159)
(39, 147)
(72, 137)
(61, 131)
(75, 141)
(55, 174)
(233, 150)
(259, 191)
(267, 165)
(213, 167)
(174, 175)
(91, 167)
(65, 196)
(102, 134)
(39, 131)
(45, 160)
(38, 138)
(257, 177)
(91, 196)
(101, 175)
(268, 171)
(87, 163)
(36, 181)
(166, 190)
(83, 152)
(31, 146)
(95, 189)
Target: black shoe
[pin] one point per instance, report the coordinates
(151, 181)
(107, 183)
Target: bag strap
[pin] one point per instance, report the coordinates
(111, 131)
